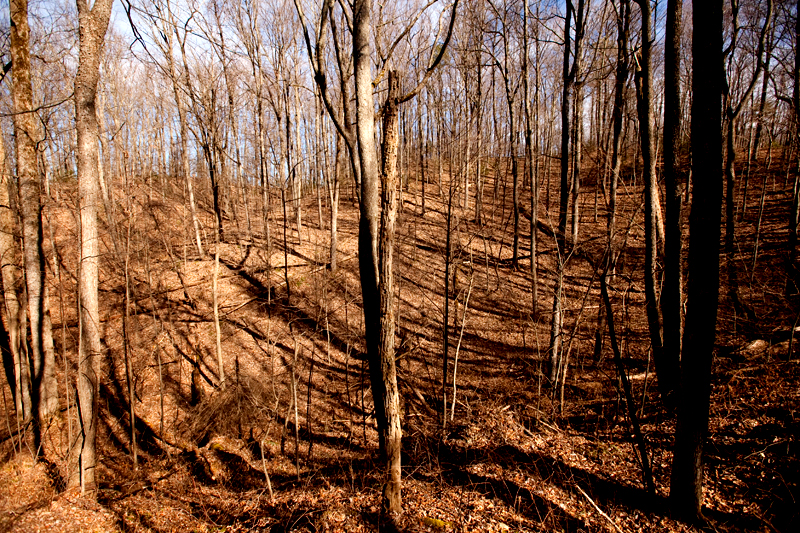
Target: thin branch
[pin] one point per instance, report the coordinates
(436, 61)
(604, 515)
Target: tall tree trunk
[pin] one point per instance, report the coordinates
(529, 153)
(755, 137)
(762, 102)
(44, 389)
(686, 487)
(792, 270)
(333, 193)
(215, 303)
(238, 181)
(391, 400)
(644, 97)
(297, 174)
(568, 77)
(620, 81)
(672, 293)
(12, 309)
(555, 325)
(183, 123)
(479, 143)
(512, 138)
(369, 222)
(423, 175)
(93, 23)
(577, 145)
(732, 112)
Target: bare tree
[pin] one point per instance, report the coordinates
(568, 73)
(672, 293)
(247, 23)
(389, 178)
(686, 488)
(622, 72)
(166, 24)
(732, 111)
(510, 77)
(93, 22)
(44, 387)
(531, 158)
(792, 271)
(13, 312)
(644, 98)
(375, 225)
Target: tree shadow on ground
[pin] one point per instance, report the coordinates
(290, 313)
(456, 462)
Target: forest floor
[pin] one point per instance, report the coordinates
(289, 443)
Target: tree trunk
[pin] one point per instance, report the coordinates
(184, 132)
(620, 80)
(239, 181)
(762, 104)
(792, 271)
(333, 193)
(568, 77)
(512, 135)
(369, 222)
(19, 380)
(423, 178)
(644, 82)
(93, 23)
(215, 303)
(577, 145)
(529, 154)
(44, 389)
(297, 174)
(732, 112)
(672, 293)
(391, 401)
(686, 488)
(555, 325)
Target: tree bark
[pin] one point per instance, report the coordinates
(620, 80)
(530, 166)
(391, 401)
(19, 380)
(576, 155)
(568, 77)
(672, 293)
(184, 127)
(370, 217)
(555, 324)
(644, 79)
(93, 22)
(686, 488)
(792, 270)
(44, 389)
(333, 193)
(732, 112)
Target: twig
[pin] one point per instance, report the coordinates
(604, 515)
(633, 418)
(458, 346)
(266, 473)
